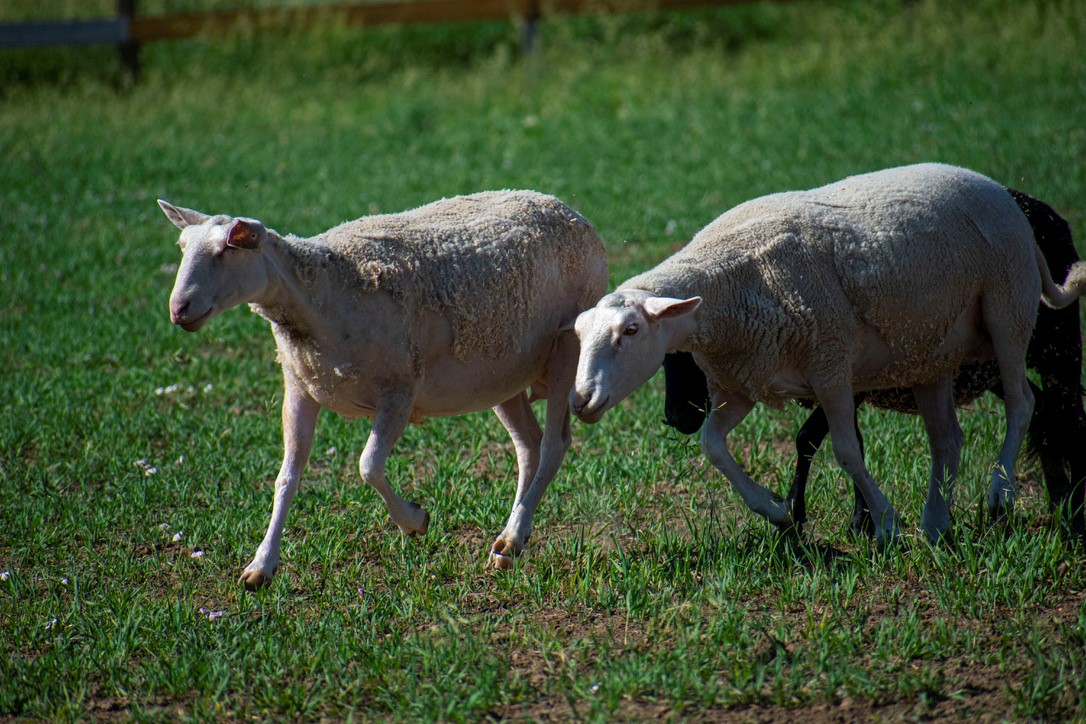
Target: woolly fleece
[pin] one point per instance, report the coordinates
(796, 279)
(477, 260)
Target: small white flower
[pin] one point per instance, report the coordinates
(64, 581)
(180, 461)
(208, 387)
(177, 536)
(50, 624)
(149, 472)
(163, 526)
(215, 614)
(670, 227)
(595, 688)
(168, 390)
(197, 554)
(330, 451)
(5, 575)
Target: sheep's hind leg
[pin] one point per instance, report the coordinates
(557, 437)
(936, 404)
(393, 414)
(1018, 401)
(728, 410)
(840, 409)
(299, 422)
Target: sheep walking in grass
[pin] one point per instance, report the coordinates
(889, 279)
(450, 308)
(1056, 430)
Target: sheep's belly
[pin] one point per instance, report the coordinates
(455, 388)
(908, 360)
(452, 388)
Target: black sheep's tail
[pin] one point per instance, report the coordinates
(1058, 429)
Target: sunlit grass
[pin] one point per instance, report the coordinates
(649, 590)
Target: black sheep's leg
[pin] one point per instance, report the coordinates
(808, 440)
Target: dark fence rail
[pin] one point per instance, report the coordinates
(108, 31)
(129, 29)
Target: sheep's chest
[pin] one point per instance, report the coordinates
(331, 377)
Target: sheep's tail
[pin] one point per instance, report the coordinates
(1055, 295)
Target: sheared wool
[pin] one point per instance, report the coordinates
(479, 260)
(797, 279)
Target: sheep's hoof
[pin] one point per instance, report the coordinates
(862, 523)
(502, 555)
(935, 521)
(888, 536)
(1000, 510)
(501, 562)
(780, 514)
(255, 580)
(797, 510)
(420, 523)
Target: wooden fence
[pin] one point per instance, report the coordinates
(128, 30)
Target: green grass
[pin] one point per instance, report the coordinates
(649, 591)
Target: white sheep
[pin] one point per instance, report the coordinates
(449, 308)
(824, 293)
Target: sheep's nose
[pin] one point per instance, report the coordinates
(578, 400)
(587, 405)
(178, 307)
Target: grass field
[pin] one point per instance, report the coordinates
(136, 461)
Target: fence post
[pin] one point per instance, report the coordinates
(129, 49)
(531, 28)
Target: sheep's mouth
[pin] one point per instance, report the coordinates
(594, 413)
(194, 324)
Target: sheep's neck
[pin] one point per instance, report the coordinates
(288, 302)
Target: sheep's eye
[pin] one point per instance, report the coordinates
(630, 330)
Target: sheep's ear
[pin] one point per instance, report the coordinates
(181, 217)
(657, 308)
(245, 234)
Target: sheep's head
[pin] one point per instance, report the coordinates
(623, 342)
(221, 265)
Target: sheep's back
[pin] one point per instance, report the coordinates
(490, 263)
(929, 244)
(904, 252)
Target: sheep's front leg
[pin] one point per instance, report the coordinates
(393, 414)
(299, 422)
(519, 421)
(728, 410)
(936, 404)
(557, 437)
(840, 409)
